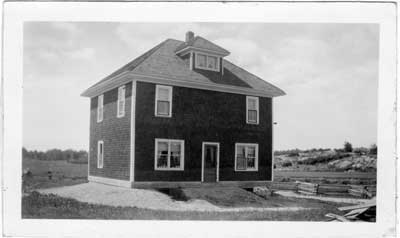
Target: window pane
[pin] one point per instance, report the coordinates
(212, 62)
(121, 107)
(162, 108)
(252, 104)
(252, 115)
(251, 162)
(163, 94)
(162, 155)
(201, 60)
(240, 158)
(251, 151)
(175, 159)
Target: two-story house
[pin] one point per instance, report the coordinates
(181, 115)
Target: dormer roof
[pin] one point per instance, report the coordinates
(198, 43)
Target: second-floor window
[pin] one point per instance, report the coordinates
(121, 102)
(163, 102)
(252, 108)
(208, 62)
(100, 108)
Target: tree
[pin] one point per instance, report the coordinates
(373, 149)
(348, 147)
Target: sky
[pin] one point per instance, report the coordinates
(329, 72)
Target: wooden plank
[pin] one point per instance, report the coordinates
(367, 204)
(354, 213)
(306, 192)
(338, 217)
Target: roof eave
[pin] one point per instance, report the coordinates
(129, 76)
(189, 48)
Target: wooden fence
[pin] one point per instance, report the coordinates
(365, 191)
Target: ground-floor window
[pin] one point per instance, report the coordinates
(100, 154)
(246, 157)
(169, 154)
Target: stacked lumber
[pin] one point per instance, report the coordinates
(284, 186)
(333, 190)
(363, 212)
(359, 191)
(307, 188)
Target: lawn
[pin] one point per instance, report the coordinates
(51, 206)
(63, 174)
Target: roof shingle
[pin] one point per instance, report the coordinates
(162, 61)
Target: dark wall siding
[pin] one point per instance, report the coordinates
(115, 132)
(198, 116)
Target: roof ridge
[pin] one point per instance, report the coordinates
(256, 77)
(138, 60)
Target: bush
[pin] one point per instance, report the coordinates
(348, 147)
(287, 164)
(323, 158)
(373, 150)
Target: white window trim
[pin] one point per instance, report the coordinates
(100, 105)
(100, 158)
(255, 161)
(170, 100)
(207, 55)
(182, 166)
(247, 110)
(121, 99)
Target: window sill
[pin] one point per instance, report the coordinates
(166, 169)
(247, 170)
(165, 116)
(120, 116)
(252, 123)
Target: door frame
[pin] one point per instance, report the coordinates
(202, 159)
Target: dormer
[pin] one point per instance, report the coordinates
(202, 54)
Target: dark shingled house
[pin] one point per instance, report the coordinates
(181, 115)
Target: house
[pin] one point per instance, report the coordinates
(181, 115)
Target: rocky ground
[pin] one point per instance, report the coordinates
(327, 161)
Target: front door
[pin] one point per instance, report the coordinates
(210, 162)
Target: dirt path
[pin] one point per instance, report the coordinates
(321, 198)
(142, 198)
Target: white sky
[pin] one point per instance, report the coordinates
(329, 72)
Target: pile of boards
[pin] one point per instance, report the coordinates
(364, 212)
(361, 191)
(307, 188)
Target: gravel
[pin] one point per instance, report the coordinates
(96, 193)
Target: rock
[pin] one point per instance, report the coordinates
(344, 165)
(262, 192)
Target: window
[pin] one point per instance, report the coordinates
(252, 110)
(246, 157)
(121, 102)
(100, 108)
(207, 62)
(100, 154)
(169, 154)
(163, 105)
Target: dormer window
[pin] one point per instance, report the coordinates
(207, 62)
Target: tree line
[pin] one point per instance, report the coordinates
(70, 155)
(347, 147)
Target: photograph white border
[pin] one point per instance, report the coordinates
(16, 13)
